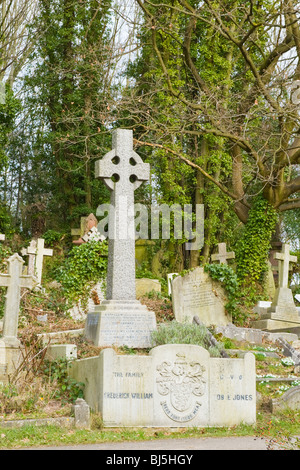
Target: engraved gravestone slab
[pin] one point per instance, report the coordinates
(174, 386)
(181, 385)
(197, 294)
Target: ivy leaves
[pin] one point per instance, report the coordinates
(86, 265)
(228, 278)
(253, 248)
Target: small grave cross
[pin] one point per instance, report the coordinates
(36, 252)
(123, 171)
(31, 252)
(14, 281)
(222, 256)
(284, 264)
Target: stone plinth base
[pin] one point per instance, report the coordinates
(276, 325)
(281, 315)
(283, 307)
(120, 323)
(10, 359)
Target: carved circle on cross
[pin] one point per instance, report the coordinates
(129, 167)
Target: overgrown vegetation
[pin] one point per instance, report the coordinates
(85, 265)
(183, 333)
(254, 246)
(229, 281)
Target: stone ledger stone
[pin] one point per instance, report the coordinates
(196, 294)
(174, 386)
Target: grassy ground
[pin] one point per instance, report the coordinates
(43, 390)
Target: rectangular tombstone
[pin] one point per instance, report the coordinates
(174, 386)
(196, 294)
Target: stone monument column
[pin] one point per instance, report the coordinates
(121, 319)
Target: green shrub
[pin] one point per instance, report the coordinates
(183, 333)
(65, 388)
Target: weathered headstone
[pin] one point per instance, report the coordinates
(36, 253)
(88, 231)
(81, 412)
(222, 256)
(174, 386)
(121, 319)
(14, 281)
(2, 237)
(196, 294)
(283, 313)
(79, 232)
(144, 286)
(290, 399)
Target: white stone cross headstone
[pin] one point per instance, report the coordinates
(41, 252)
(36, 253)
(14, 281)
(283, 313)
(222, 256)
(128, 171)
(284, 259)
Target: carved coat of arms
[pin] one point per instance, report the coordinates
(182, 382)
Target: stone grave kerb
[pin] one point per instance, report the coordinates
(123, 171)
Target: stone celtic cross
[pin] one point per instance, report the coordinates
(14, 281)
(123, 171)
(284, 264)
(222, 256)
